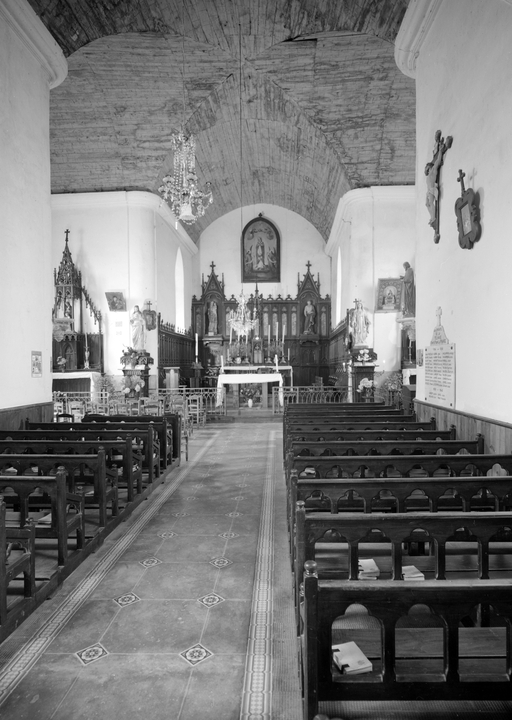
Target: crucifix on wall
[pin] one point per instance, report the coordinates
(432, 171)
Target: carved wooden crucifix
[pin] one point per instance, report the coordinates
(432, 171)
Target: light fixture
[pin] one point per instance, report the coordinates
(241, 320)
(181, 189)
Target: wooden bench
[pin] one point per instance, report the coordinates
(330, 448)
(479, 544)
(414, 654)
(490, 493)
(143, 439)
(16, 558)
(121, 457)
(161, 427)
(67, 508)
(384, 466)
(80, 470)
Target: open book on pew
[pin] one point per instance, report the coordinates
(350, 659)
(410, 572)
(368, 569)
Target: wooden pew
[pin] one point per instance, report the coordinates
(143, 439)
(16, 558)
(385, 466)
(323, 448)
(490, 493)
(86, 469)
(63, 522)
(335, 421)
(161, 427)
(407, 663)
(341, 409)
(119, 455)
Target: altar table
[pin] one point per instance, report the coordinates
(241, 378)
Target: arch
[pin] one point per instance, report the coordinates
(179, 290)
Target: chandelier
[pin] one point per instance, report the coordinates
(242, 320)
(186, 200)
(181, 190)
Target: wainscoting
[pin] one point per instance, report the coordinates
(14, 418)
(497, 435)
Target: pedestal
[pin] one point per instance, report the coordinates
(360, 371)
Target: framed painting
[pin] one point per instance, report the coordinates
(116, 301)
(389, 295)
(37, 363)
(261, 252)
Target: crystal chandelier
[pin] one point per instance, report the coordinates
(180, 190)
(242, 320)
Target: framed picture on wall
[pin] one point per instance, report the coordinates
(116, 301)
(261, 252)
(389, 295)
(36, 364)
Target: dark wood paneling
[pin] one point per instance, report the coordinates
(14, 418)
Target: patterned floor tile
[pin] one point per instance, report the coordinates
(221, 562)
(196, 654)
(91, 654)
(127, 599)
(210, 600)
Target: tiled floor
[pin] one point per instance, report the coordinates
(173, 617)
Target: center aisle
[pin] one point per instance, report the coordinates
(185, 611)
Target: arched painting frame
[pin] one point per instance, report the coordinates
(261, 252)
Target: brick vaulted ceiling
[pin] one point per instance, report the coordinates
(324, 109)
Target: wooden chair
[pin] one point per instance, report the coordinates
(196, 409)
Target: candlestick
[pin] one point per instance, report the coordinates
(269, 335)
(288, 356)
(86, 343)
(196, 346)
(222, 363)
(230, 334)
(277, 363)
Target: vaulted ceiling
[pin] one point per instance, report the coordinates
(312, 106)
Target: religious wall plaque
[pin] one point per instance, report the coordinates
(440, 375)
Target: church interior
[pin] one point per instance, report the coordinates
(247, 258)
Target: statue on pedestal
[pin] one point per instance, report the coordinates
(359, 323)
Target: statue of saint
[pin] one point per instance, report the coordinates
(409, 297)
(138, 326)
(212, 318)
(359, 323)
(309, 318)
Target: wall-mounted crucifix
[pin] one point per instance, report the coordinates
(432, 171)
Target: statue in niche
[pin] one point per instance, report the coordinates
(359, 323)
(409, 294)
(212, 318)
(138, 327)
(309, 318)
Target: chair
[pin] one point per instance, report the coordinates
(196, 409)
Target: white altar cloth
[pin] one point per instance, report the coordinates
(242, 378)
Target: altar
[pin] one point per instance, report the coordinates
(240, 378)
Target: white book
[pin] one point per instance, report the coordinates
(411, 572)
(368, 569)
(350, 659)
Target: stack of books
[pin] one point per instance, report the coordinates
(410, 572)
(368, 569)
(350, 659)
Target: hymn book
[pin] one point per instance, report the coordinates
(411, 572)
(368, 569)
(350, 659)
